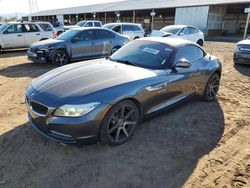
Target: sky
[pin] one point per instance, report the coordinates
(21, 6)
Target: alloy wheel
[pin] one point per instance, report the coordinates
(122, 123)
(213, 87)
(61, 59)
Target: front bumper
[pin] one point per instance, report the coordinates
(241, 58)
(80, 130)
(38, 58)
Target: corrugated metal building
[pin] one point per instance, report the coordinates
(212, 16)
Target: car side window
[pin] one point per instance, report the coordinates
(97, 24)
(89, 24)
(136, 28)
(103, 34)
(16, 28)
(117, 29)
(127, 28)
(191, 53)
(192, 30)
(31, 28)
(46, 27)
(86, 35)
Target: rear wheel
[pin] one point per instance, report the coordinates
(200, 42)
(136, 38)
(120, 122)
(212, 87)
(60, 58)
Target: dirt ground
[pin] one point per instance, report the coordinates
(197, 144)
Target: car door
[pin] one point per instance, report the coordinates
(187, 79)
(128, 31)
(82, 45)
(13, 36)
(103, 42)
(32, 34)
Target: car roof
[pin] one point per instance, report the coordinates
(87, 28)
(123, 23)
(174, 42)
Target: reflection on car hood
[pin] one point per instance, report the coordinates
(159, 33)
(46, 43)
(84, 78)
(244, 42)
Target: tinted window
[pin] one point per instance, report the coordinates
(108, 26)
(86, 35)
(97, 24)
(31, 28)
(171, 29)
(89, 24)
(190, 53)
(127, 28)
(147, 54)
(81, 24)
(117, 29)
(136, 28)
(67, 35)
(103, 34)
(14, 29)
(46, 27)
(190, 30)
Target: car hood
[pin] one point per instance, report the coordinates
(244, 42)
(159, 33)
(80, 79)
(45, 43)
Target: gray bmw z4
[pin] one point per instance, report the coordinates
(105, 99)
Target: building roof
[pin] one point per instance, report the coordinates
(135, 5)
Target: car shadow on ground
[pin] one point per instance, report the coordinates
(243, 69)
(13, 53)
(29, 69)
(163, 152)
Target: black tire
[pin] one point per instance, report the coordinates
(115, 49)
(136, 38)
(120, 123)
(43, 39)
(60, 58)
(212, 88)
(200, 42)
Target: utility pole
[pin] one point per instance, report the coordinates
(33, 6)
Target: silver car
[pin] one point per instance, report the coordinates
(77, 44)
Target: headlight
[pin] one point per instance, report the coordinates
(75, 110)
(237, 49)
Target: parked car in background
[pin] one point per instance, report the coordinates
(242, 52)
(22, 34)
(132, 30)
(106, 99)
(186, 32)
(88, 23)
(77, 44)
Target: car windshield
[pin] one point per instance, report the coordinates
(146, 54)
(67, 35)
(81, 23)
(108, 26)
(2, 27)
(171, 29)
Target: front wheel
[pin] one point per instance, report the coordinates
(114, 50)
(212, 88)
(120, 122)
(60, 58)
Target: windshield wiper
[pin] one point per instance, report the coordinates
(125, 62)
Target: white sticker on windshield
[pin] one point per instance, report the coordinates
(151, 50)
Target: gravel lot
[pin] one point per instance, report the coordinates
(198, 144)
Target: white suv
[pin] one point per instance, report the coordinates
(22, 34)
(87, 23)
(132, 30)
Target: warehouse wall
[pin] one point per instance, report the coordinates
(196, 16)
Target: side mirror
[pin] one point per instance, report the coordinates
(183, 63)
(74, 40)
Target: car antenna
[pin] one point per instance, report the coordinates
(211, 52)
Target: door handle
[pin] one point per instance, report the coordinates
(19, 35)
(38, 34)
